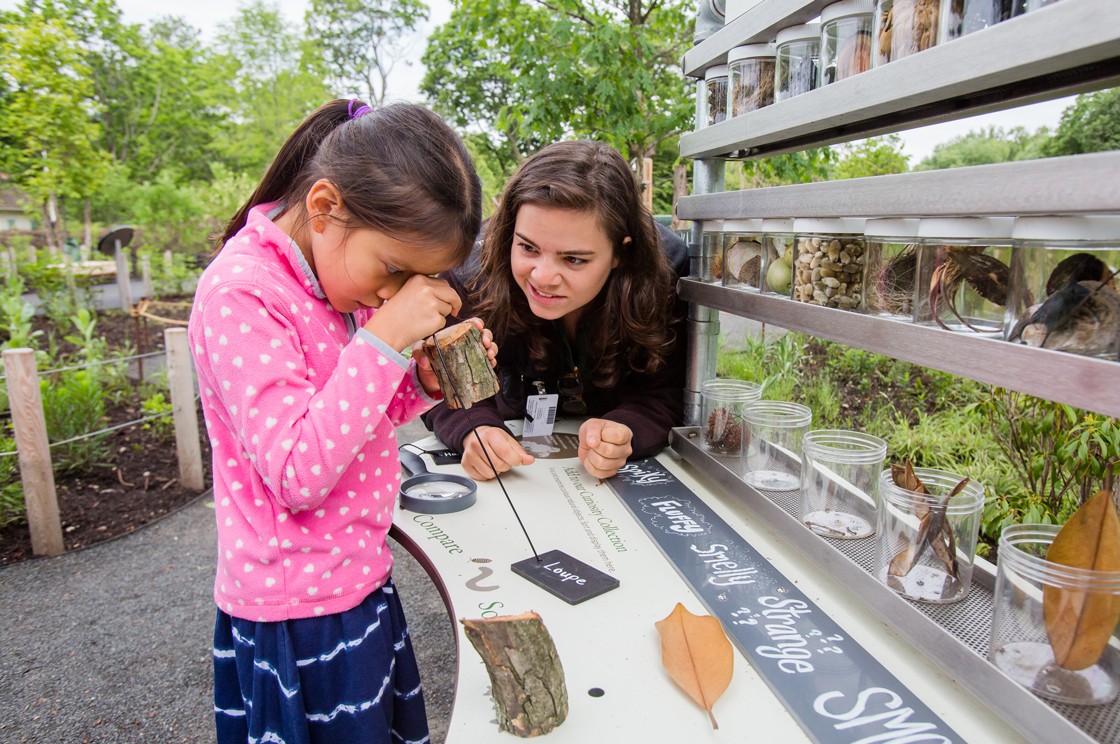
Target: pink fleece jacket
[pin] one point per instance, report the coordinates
(300, 403)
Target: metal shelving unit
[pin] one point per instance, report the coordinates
(1072, 46)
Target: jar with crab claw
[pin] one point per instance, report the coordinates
(1065, 290)
(964, 273)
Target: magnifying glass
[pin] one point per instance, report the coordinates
(433, 493)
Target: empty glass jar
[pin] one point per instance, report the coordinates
(773, 447)
(891, 268)
(845, 39)
(797, 60)
(1032, 593)
(840, 482)
(750, 78)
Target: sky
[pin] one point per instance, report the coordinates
(404, 83)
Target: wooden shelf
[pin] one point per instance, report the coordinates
(1076, 183)
(1066, 48)
(1083, 382)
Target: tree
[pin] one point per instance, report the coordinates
(1091, 124)
(875, 156)
(362, 40)
(991, 145)
(49, 135)
(527, 74)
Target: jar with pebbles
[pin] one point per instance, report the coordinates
(711, 253)
(902, 28)
(750, 78)
(797, 60)
(744, 259)
(845, 39)
(890, 268)
(778, 239)
(1065, 292)
(964, 273)
(828, 262)
(962, 17)
(715, 97)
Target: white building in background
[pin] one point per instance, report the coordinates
(13, 215)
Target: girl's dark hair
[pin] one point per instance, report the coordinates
(628, 325)
(400, 170)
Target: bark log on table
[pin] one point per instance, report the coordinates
(526, 678)
(464, 372)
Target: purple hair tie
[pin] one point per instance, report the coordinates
(362, 109)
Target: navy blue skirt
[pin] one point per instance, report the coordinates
(346, 678)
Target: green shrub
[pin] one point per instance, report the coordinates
(74, 405)
(12, 510)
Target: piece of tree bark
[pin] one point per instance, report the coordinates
(463, 369)
(526, 678)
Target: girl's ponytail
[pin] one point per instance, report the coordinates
(290, 163)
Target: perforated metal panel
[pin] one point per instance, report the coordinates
(968, 621)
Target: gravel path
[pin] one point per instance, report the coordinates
(112, 643)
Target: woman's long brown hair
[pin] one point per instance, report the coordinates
(400, 170)
(628, 324)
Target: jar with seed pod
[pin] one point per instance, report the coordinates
(715, 97)
(797, 60)
(750, 78)
(901, 28)
(891, 268)
(744, 260)
(1064, 289)
(845, 39)
(1054, 628)
(962, 17)
(828, 262)
(927, 532)
(778, 239)
(711, 252)
(964, 273)
(722, 425)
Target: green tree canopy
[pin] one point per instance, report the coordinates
(1091, 124)
(991, 145)
(875, 156)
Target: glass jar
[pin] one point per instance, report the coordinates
(750, 78)
(711, 252)
(890, 268)
(1027, 586)
(840, 482)
(901, 28)
(772, 456)
(964, 273)
(722, 417)
(743, 259)
(962, 17)
(845, 39)
(797, 60)
(1019, 7)
(927, 541)
(828, 262)
(777, 238)
(715, 100)
(1065, 293)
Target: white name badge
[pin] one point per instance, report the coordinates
(540, 415)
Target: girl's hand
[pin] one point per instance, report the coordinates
(604, 446)
(504, 451)
(418, 309)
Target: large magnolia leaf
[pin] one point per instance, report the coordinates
(697, 655)
(1079, 622)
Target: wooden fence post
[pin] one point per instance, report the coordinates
(647, 184)
(180, 378)
(30, 427)
(124, 282)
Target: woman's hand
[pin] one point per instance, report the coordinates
(424, 369)
(504, 451)
(418, 309)
(604, 446)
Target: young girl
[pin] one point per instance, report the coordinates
(297, 330)
(578, 287)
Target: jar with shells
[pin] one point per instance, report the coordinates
(902, 28)
(845, 39)
(744, 258)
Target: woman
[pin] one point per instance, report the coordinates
(576, 281)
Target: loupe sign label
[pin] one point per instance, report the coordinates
(835, 689)
(569, 579)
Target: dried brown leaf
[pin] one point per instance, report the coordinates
(1080, 623)
(697, 655)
